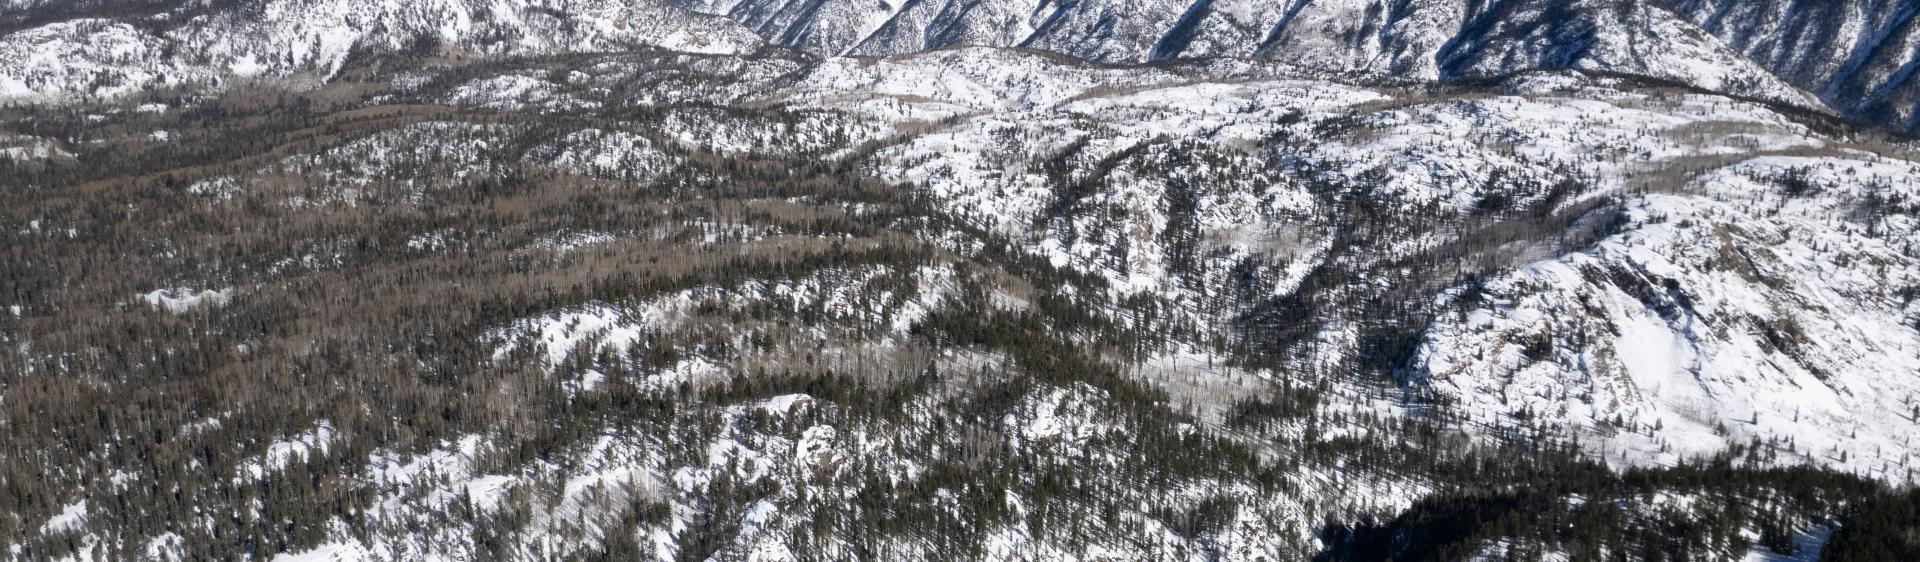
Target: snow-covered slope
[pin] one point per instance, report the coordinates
(313, 40)
(1755, 264)
(1423, 39)
(1850, 56)
(1767, 301)
(512, 283)
(1859, 55)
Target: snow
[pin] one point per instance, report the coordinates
(248, 65)
(1807, 546)
(486, 492)
(1652, 353)
(180, 300)
(166, 547)
(302, 42)
(786, 403)
(569, 241)
(1685, 386)
(967, 166)
(1723, 315)
(563, 333)
(607, 154)
(1724, 311)
(514, 91)
(976, 78)
(301, 447)
(330, 552)
(12, 87)
(71, 518)
(815, 447)
(29, 148)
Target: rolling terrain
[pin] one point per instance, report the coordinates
(1519, 280)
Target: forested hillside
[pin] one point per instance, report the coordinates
(440, 280)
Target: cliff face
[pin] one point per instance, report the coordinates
(1859, 56)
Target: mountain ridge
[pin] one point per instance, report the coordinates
(1849, 62)
(584, 279)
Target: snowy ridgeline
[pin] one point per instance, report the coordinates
(311, 41)
(1850, 57)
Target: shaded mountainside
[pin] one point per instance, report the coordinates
(1407, 38)
(1858, 56)
(1854, 57)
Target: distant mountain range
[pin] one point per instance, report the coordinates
(1855, 57)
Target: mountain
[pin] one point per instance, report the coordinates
(1424, 39)
(1854, 57)
(436, 279)
(1858, 56)
(1677, 272)
(99, 52)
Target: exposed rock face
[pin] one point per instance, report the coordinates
(1859, 56)
(1424, 39)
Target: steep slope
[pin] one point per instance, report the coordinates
(99, 53)
(1859, 56)
(1422, 39)
(1767, 302)
(1669, 274)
